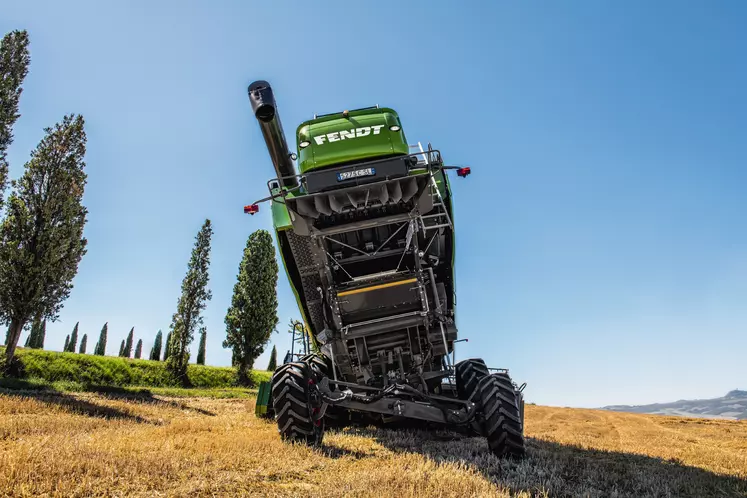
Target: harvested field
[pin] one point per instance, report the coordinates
(84, 444)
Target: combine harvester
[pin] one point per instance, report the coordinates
(365, 231)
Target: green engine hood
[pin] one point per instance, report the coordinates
(335, 139)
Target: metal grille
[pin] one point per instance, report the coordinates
(310, 281)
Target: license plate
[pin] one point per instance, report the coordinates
(357, 173)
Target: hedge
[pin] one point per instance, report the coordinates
(54, 366)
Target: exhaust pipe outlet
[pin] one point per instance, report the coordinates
(265, 110)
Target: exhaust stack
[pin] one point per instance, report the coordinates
(265, 110)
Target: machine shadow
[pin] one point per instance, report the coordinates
(554, 469)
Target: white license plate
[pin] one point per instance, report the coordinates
(357, 173)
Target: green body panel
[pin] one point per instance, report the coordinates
(280, 216)
(281, 221)
(263, 399)
(336, 140)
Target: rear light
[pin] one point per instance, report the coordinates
(463, 172)
(251, 209)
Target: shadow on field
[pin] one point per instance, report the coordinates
(562, 470)
(336, 452)
(76, 405)
(143, 396)
(47, 394)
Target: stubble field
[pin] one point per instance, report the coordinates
(64, 444)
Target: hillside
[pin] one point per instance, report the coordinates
(732, 406)
(66, 444)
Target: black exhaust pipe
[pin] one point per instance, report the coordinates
(265, 110)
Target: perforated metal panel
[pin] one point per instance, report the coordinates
(310, 280)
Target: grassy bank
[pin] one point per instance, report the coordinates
(84, 369)
(32, 387)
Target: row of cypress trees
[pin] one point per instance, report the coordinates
(35, 340)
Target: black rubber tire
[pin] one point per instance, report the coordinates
(469, 373)
(334, 416)
(293, 404)
(501, 413)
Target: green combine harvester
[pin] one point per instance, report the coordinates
(365, 230)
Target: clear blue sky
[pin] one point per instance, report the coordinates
(602, 237)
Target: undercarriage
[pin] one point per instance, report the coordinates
(368, 247)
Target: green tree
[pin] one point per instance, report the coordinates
(155, 352)
(73, 339)
(139, 349)
(33, 337)
(252, 316)
(273, 359)
(83, 344)
(167, 347)
(41, 330)
(67, 343)
(203, 345)
(14, 66)
(192, 301)
(121, 348)
(100, 348)
(127, 353)
(41, 237)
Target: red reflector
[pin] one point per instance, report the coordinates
(463, 172)
(251, 209)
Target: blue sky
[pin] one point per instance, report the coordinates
(602, 243)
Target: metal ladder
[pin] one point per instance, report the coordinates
(438, 202)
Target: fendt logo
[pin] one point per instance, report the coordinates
(347, 134)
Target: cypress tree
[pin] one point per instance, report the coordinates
(139, 349)
(73, 339)
(273, 359)
(121, 348)
(201, 349)
(167, 347)
(67, 343)
(252, 316)
(128, 344)
(41, 332)
(14, 66)
(34, 334)
(32, 338)
(83, 344)
(192, 301)
(41, 236)
(101, 344)
(155, 352)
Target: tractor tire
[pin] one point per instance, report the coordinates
(469, 373)
(294, 403)
(334, 416)
(502, 416)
